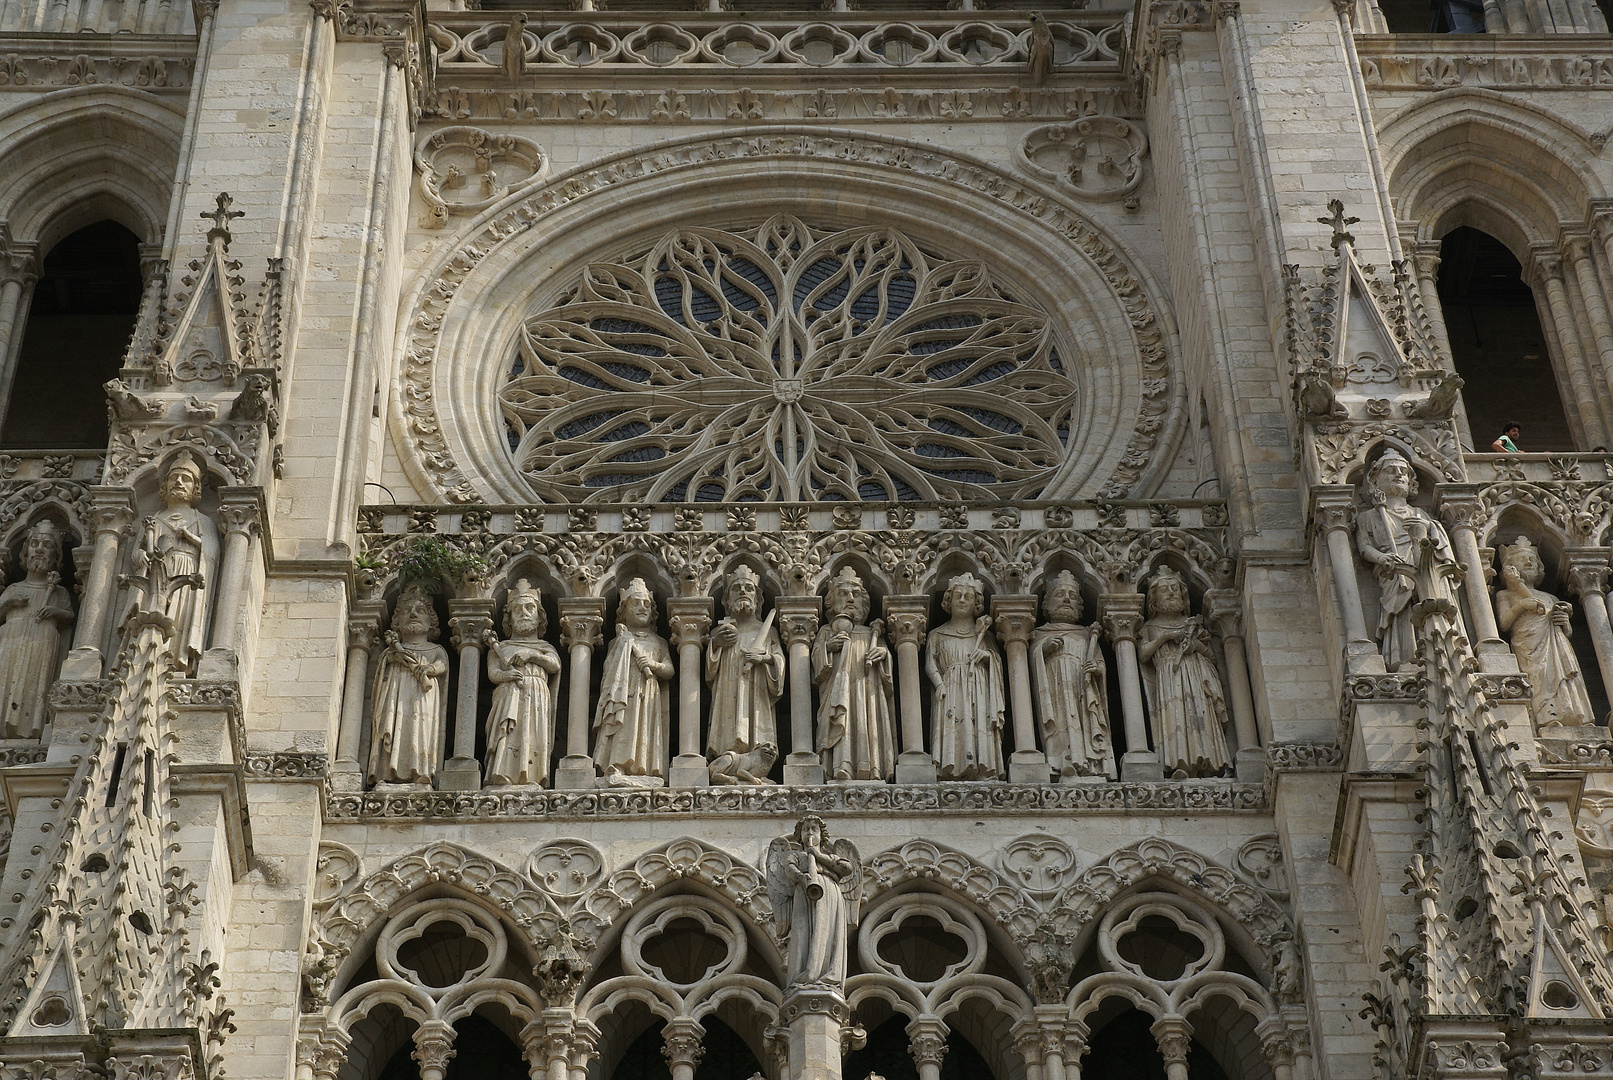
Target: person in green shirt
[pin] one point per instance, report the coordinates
(1507, 443)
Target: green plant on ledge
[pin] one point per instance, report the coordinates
(430, 558)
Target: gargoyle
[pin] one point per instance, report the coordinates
(1440, 402)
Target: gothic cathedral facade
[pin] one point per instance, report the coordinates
(806, 539)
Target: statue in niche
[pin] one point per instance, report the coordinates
(1390, 534)
(181, 544)
(35, 614)
(634, 716)
(525, 672)
(1183, 685)
(815, 885)
(745, 667)
(1537, 623)
(410, 712)
(852, 667)
(966, 675)
(1070, 680)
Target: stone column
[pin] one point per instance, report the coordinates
(683, 1050)
(906, 618)
(534, 1047)
(363, 634)
(241, 515)
(1016, 618)
(584, 1048)
(1425, 262)
(1578, 251)
(1027, 1039)
(1548, 276)
(112, 511)
(1275, 1047)
(1122, 616)
(433, 1048)
(582, 621)
(19, 269)
(1226, 614)
(1460, 507)
(814, 1020)
(1050, 1022)
(470, 618)
(557, 1024)
(1174, 1036)
(1587, 577)
(1333, 509)
(927, 1042)
(797, 623)
(690, 619)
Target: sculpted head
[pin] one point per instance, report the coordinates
(848, 597)
(523, 612)
(1524, 557)
(414, 613)
(42, 548)
(1167, 593)
(1063, 603)
(637, 606)
(182, 484)
(809, 831)
(744, 592)
(965, 597)
(1391, 476)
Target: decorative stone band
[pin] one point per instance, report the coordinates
(21, 755)
(1588, 753)
(287, 765)
(162, 65)
(1400, 686)
(1197, 795)
(1298, 756)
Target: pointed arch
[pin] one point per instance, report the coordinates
(1002, 902)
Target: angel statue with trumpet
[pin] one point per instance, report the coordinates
(815, 885)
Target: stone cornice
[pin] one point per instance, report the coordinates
(1500, 62)
(43, 62)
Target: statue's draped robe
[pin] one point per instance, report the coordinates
(1545, 654)
(818, 920)
(1388, 530)
(856, 725)
(742, 695)
(521, 720)
(634, 717)
(409, 720)
(967, 708)
(30, 653)
(185, 541)
(1185, 697)
(1072, 701)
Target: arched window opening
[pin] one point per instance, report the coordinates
(727, 1056)
(1123, 1048)
(79, 324)
(887, 1055)
(1498, 345)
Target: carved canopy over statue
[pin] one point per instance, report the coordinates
(815, 885)
(35, 614)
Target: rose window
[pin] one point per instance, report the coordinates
(788, 363)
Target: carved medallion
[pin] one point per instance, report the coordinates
(565, 867)
(465, 169)
(1100, 157)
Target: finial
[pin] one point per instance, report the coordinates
(221, 216)
(1339, 223)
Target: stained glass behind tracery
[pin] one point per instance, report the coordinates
(788, 363)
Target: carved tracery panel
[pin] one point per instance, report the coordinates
(785, 363)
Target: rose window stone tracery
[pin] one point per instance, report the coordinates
(786, 363)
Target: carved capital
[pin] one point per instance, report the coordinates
(1333, 507)
(1275, 1045)
(1587, 572)
(1545, 265)
(580, 628)
(241, 513)
(683, 1037)
(927, 1042)
(1015, 617)
(906, 619)
(689, 618)
(1575, 247)
(1224, 609)
(1601, 219)
(1425, 257)
(1460, 506)
(363, 634)
(1121, 615)
(19, 262)
(798, 618)
(433, 1044)
(468, 629)
(1174, 1036)
(112, 510)
(324, 9)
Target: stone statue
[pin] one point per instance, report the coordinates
(410, 712)
(852, 667)
(634, 717)
(35, 614)
(816, 888)
(525, 672)
(966, 674)
(1390, 534)
(1537, 623)
(1183, 685)
(1069, 676)
(745, 667)
(181, 543)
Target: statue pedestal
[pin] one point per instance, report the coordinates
(574, 773)
(346, 776)
(813, 1019)
(1028, 767)
(689, 770)
(460, 774)
(1141, 767)
(803, 770)
(82, 664)
(915, 767)
(1250, 767)
(218, 665)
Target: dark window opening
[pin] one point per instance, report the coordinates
(79, 324)
(481, 1052)
(1433, 16)
(726, 1057)
(886, 1054)
(1497, 344)
(1125, 1049)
